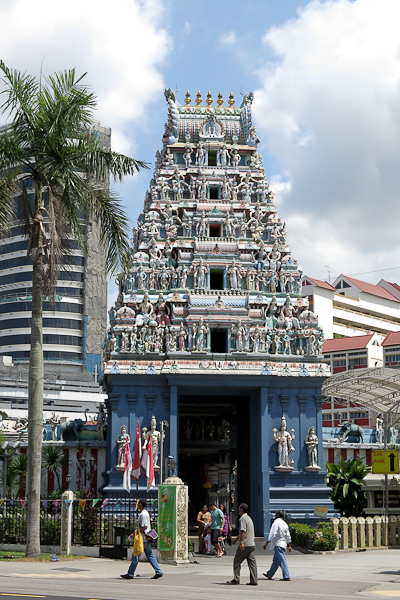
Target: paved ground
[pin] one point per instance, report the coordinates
(371, 574)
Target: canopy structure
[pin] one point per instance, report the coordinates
(377, 389)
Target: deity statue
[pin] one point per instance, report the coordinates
(286, 314)
(146, 311)
(200, 154)
(200, 332)
(225, 188)
(228, 225)
(275, 255)
(54, 422)
(182, 335)
(122, 440)
(312, 447)
(141, 279)
(250, 278)
(276, 340)
(235, 158)
(187, 156)
(270, 314)
(286, 344)
(379, 428)
(155, 439)
(211, 429)
(201, 225)
(256, 338)
(162, 311)
(101, 421)
(158, 339)
(284, 440)
(133, 338)
(124, 341)
(113, 342)
(170, 340)
(225, 158)
(182, 275)
(200, 271)
(239, 333)
(235, 272)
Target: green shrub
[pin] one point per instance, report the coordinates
(327, 541)
(321, 536)
(190, 545)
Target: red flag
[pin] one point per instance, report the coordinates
(127, 468)
(147, 462)
(137, 455)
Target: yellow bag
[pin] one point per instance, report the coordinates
(138, 545)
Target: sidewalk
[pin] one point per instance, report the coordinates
(367, 574)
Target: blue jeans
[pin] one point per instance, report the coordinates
(279, 560)
(150, 557)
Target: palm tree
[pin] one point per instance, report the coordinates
(46, 147)
(19, 466)
(54, 459)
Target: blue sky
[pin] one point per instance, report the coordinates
(326, 77)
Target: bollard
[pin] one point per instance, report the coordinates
(393, 530)
(66, 521)
(344, 530)
(335, 526)
(361, 532)
(353, 532)
(370, 532)
(385, 531)
(377, 531)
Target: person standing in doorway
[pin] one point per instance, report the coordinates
(217, 526)
(246, 548)
(144, 527)
(279, 537)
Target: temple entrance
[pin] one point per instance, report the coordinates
(214, 452)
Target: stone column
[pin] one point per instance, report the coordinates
(353, 532)
(377, 531)
(335, 525)
(173, 423)
(264, 405)
(361, 532)
(344, 530)
(385, 531)
(132, 399)
(113, 428)
(66, 522)
(179, 555)
(318, 406)
(370, 532)
(302, 399)
(392, 530)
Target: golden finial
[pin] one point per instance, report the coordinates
(209, 99)
(198, 98)
(231, 100)
(220, 100)
(187, 98)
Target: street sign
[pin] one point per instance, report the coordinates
(385, 461)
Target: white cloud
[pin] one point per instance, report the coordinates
(121, 46)
(330, 108)
(228, 39)
(187, 27)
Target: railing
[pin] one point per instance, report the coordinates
(94, 521)
(369, 532)
(13, 517)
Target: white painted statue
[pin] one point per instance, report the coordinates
(284, 440)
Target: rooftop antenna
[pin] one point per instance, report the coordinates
(329, 269)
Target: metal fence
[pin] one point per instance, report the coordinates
(94, 522)
(13, 516)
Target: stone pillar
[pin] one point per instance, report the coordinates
(353, 532)
(302, 400)
(385, 531)
(370, 532)
(393, 530)
(173, 423)
(264, 405)
(66, 522)
(113, 429)
(361, 532)
(132, 399)
(344, 530)
(318, 405)
(377, 531)
(335, 525)
(178, 555)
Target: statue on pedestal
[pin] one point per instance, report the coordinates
(199, 335)
(312, 450)
(379, 429)
(122, 440)
(54, 422)
(239, 332)
(284, 440)
(155, 439)
(101, 421)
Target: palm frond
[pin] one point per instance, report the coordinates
(99, 162)
(8, 188)
(20, 93)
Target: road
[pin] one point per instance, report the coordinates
(370, 574)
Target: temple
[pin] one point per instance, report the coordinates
(210, 331)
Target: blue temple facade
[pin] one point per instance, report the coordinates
(210, 332)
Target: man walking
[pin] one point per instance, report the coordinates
(279, 537)
(217, 525)
(144, 527)
(246, 548)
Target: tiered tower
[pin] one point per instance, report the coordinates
(211, 270)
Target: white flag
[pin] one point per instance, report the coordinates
(127, 468)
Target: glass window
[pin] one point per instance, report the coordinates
(47, 322)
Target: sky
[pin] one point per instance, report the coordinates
(326, 80)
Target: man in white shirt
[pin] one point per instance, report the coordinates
(144, 526)
(279, 537)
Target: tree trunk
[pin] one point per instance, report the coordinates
(35, 405)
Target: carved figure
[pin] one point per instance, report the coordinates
(200, 154)
(54, 422)
(162, 311)
(122, 440)
(349, 432)
(101, 421)
(200, 271)
(155, 439)
(312, 447)
(182, 335)
(71, 427)
(235, 274)
(256, 338)
(284, 440)
(239, 332)
(199, 334)
(378, 428)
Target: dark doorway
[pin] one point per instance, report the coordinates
(212, 460)
(216, 279)
(212, 158)
(215, 230)
(218, 341)
(214, 193)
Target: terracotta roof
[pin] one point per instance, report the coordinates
(392, 338)
(321, 284)
(374, 290)
(348, 343)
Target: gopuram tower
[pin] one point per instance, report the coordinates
(210, 330)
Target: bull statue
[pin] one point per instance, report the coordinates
(351, 433)
(70, 430)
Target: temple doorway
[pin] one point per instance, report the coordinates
(214, 451)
